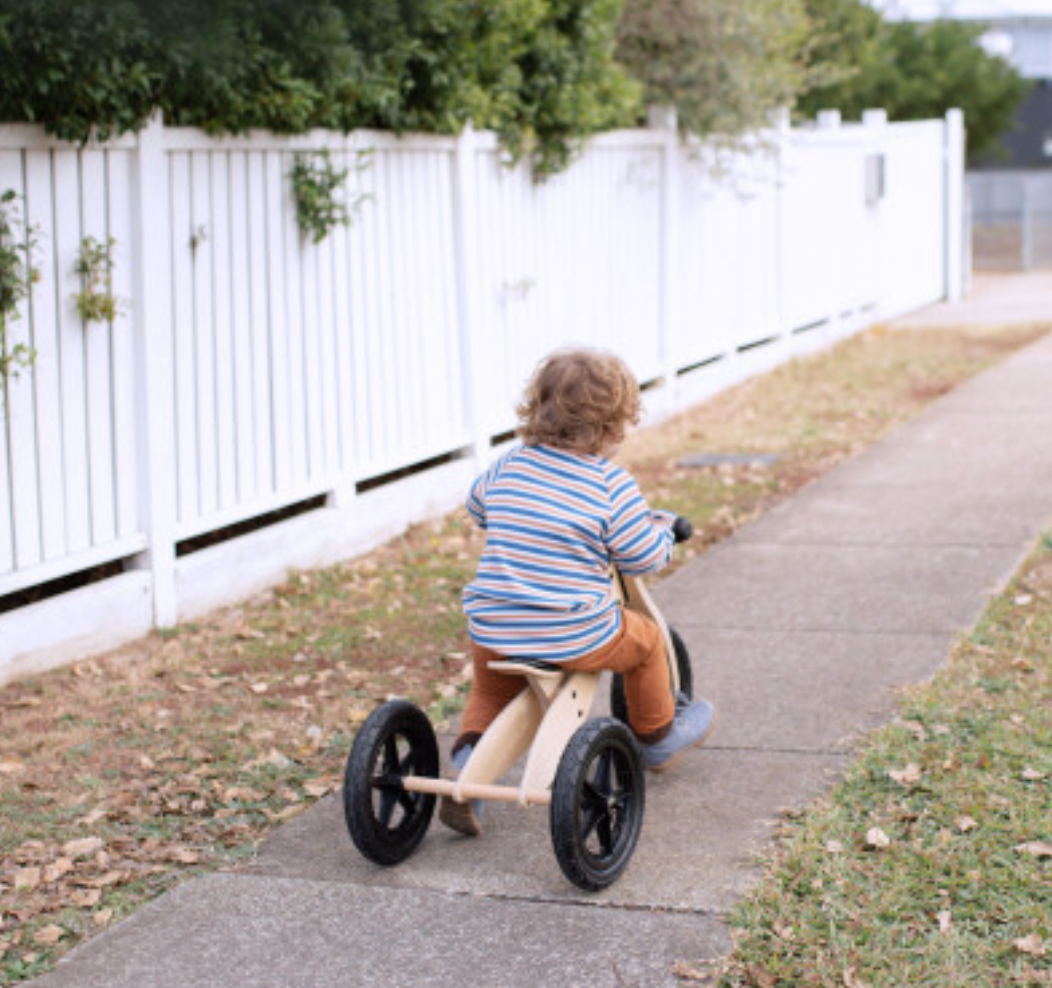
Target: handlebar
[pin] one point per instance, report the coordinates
(682, 529)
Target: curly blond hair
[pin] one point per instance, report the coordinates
(579, 400)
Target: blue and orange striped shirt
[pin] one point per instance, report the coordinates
(555, 521)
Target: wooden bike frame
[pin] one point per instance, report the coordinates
(540, 720)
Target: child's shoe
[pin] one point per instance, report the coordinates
(691, 726)
(464, 818)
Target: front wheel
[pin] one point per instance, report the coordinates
(618, 703)
(597, 804)
(385, 820)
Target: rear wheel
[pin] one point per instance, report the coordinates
(597, 804)
(385, 820)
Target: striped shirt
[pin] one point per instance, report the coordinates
(555, 521)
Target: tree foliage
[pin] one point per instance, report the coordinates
(539, 72)
(542, 73)
(723, 64)
(915, 71)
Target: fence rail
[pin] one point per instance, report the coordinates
(249, 369)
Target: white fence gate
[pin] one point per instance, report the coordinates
(250, 370)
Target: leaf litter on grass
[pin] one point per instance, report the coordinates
(181, 751)
(942, 874)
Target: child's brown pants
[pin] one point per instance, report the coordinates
(637, 653)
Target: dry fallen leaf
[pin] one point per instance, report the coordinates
(27, 879)
(852, 980)
(54, 871)
(761, 977)
(1032, 775)
(82, 848)
(85, 897)
(100, 881)
(11, 768)
(783, 930)
(286, 814)
(242, 794)
(909, 776)
(277, 759)
(102, 917)
(875, 837)
(686, 972)
(834, 847)
(1035, 848)
(1032, 945)
(945, 921)
(48, 936)
(183, 855)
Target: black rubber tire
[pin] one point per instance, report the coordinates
(618, 703)
(385, 821)
(597, 804)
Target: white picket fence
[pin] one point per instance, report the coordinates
(249, 369)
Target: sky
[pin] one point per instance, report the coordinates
(964, 9)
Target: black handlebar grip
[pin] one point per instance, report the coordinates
(682, 529)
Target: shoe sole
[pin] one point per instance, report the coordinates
(459, 817)
(666, 765)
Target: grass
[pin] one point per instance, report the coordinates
(930, 864)
(178, 753)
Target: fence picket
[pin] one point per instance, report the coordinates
(296, 331)
(7, 521)
(259, 427)
(97, 365)
(44, 308)
(279, 363)
(125, 472)
(203, 254)
(242, 356)
(183, 364)
(222, 283)
(19, 394)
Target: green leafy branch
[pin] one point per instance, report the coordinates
(95, 300)
(17, 275)
(316, 187)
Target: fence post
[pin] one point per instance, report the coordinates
(953, 160)
(152, 322)
(876, 120)
(1026, 224)
(781, 127)
(473, 363)
(664, 120)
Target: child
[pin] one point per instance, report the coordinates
(557, 513)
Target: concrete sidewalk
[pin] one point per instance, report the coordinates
(801, 627)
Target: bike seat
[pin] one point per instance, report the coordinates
(540, 670)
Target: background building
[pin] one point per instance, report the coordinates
(1021, 32)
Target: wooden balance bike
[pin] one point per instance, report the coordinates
(588, 772)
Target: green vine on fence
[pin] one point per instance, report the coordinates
(317, 187)
(17, 276)
(95, 300)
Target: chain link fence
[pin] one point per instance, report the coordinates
(1011, 219)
